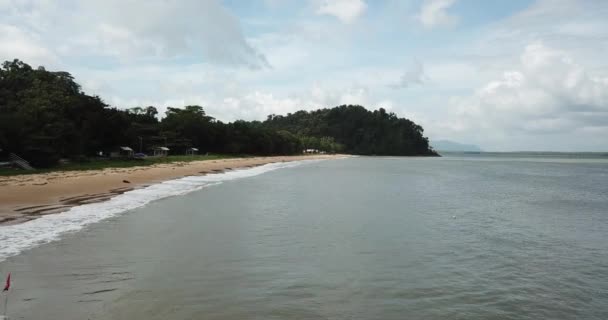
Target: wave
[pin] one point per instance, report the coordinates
(14, 239)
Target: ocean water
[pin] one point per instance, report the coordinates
(459, 237)
(16, 238)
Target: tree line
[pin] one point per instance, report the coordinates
(45, 116)
(358, 130)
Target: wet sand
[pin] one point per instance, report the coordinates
(26, 197)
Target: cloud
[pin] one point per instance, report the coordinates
(583, 28)
(175, 28)
(346, 11)
(140, 29)
(19, 44)
(499, 83)
(239, 102)
(501, 99)
(413, 76)
(433, 13)
(549, 93)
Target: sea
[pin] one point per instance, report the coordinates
(464, 236)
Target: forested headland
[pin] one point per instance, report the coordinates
(46, 116)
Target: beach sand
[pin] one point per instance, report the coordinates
(26, 197)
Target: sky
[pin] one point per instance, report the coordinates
(505, 75)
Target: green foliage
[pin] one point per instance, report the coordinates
(356, 130)
(325, 143)
(47, 112)
(45, 116)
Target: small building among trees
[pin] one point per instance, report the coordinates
(191, 151)
(161, 151)
(125, 152)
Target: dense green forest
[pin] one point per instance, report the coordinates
(45, 116)
(357, 130)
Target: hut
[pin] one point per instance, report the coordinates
(191, 151)
(126, 151)
(121, 152)
(161, 151)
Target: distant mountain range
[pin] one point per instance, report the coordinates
(447, 145)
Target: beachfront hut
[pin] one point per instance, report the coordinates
(161, 151)
(191, 151)
(126, 152)
(121, 152)
(310, 151)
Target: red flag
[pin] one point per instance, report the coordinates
(8, 283)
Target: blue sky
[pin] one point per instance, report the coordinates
(505, 75)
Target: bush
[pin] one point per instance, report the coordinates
(41, 158)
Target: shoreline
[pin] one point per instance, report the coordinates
(27, 197)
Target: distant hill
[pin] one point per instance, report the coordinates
(447, 145)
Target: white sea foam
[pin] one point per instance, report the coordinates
(16, 238)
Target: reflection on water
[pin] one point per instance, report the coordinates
(362, 238)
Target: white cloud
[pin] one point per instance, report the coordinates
(582, 29)
(549, 93)
(413, 76)
(242, 103)
(20, 44)
(454, 75)
(346, 11)
(434, 13)
(478, 86)
(537, 81)
(141, 29)
(258, 104)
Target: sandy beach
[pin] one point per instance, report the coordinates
(26, 197)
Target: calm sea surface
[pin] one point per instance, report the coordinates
(468, 237)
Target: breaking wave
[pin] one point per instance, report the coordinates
(16, 238)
